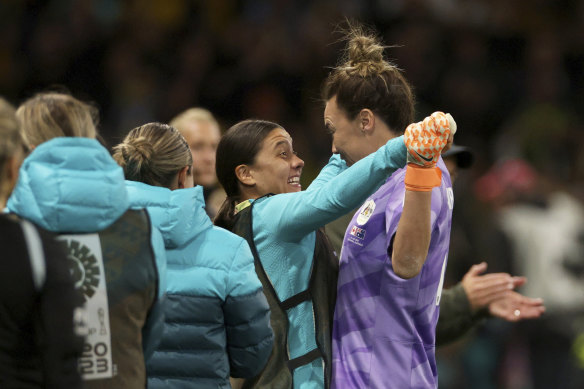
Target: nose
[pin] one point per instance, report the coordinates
(297, 162)
(335, 151)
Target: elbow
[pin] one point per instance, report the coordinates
(407, 268)
(250, 361)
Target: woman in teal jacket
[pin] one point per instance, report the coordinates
(70, 185)
(217, 317)
(255, 160)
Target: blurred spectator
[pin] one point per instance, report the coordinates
(201, 131)
(544, 224)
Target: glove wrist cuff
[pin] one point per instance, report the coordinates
(422, 179)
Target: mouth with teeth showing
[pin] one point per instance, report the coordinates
(294, 181)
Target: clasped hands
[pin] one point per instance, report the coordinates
(496, 293)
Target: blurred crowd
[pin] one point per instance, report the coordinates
(509, 71)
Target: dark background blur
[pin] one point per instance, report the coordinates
(510, 72)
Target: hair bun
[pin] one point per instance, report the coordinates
(138, 149)
(153, 153)
(365, 54)
(364, 49)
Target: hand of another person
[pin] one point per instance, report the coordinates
(236, 383)
(495, 292)
(514, 307)
(426, 140)
(481, 290)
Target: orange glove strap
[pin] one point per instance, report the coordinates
(422, 179)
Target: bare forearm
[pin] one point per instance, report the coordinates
(412, 239)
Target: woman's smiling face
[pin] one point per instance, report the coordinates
(277, 168)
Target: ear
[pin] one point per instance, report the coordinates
(366, 120)
(244, 175)
(182, 177)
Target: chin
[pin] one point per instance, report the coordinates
(293, 189)
(347, 160)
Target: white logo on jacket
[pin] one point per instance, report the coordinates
(86, 267)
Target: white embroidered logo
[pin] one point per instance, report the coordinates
(366, 212)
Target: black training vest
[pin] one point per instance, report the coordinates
(322, 291)
(121, 255)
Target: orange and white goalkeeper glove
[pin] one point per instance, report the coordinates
(425, 141)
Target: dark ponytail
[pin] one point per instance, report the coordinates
(226, 214)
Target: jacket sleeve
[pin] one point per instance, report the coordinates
(333, 168)
(456, 318)
(293, 215)
(154, 326)
(61, 340)
(247, 317)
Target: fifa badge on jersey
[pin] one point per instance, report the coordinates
(358, 232)
(366, 212)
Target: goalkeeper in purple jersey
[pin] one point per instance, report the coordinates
(395, 250)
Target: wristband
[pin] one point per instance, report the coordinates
(420, 179)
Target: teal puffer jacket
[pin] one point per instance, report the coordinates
(217, 317)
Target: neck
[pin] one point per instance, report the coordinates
(247, 193)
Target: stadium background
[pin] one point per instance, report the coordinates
(511, 72)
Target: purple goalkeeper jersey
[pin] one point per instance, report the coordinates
(385, 326)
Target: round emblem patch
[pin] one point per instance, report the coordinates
(366, 212)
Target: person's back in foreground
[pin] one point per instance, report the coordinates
(39, 344)
(70, 185)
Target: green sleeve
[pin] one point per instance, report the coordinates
(456, 317)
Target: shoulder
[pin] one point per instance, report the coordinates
(14, 229)
(266, 208)
(214, 247)
(226, 242)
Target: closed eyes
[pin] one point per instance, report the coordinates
(329, 129)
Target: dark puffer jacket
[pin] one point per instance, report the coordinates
(217, 317)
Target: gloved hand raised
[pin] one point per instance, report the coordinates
(426, 139)
(425, 142)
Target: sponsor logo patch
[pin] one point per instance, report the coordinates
(358, 232)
